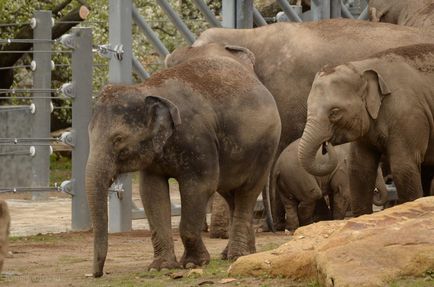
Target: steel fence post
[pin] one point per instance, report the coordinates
(120, 72)
(81, 62)
(42, 107)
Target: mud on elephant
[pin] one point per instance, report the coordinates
(300, 191)
(287, 67)
(385, 105)
(196, 122)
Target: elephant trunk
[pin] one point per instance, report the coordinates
(312, 140)
(380, 193)
(98, 180)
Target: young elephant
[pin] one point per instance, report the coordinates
(300, 191)
(385, 104)
(415, 13)
(210, 124)
(5, 221)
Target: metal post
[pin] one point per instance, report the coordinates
(335, 8)
(244, 14)
(138, 68)
(149, 33)
(237, 13)
(315, 8)
(120, 18)
(209, 16)
(228, 12)
(325, 9)
(257, 18)
(176, 20)
(41, 120)
(291, 14)
(81, 112)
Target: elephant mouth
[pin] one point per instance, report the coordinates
(324, 147)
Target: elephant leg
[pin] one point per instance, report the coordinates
(154, 191)
(241, 234)
(306, 210)
(427, 177)
(230, 201)
(363, 164)
(407, 178)
(322, 210)
(195, 195)
(291, 209)
(219, 218)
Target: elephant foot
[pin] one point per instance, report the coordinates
(224, 254)
(232, 252)
(164, 263)
(194, 260)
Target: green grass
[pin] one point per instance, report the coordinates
(428, 281)
(60, 169)
(34, 238)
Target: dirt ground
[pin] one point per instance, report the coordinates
(45, 253)
(65, 260)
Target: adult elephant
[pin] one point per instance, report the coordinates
(415, 13)
(288, 55)
(385, 104)
(196, 123)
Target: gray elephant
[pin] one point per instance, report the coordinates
(385, 105)
(415, 13)
(198, 123)
(300, 191)
(288, 55)
(5, 221)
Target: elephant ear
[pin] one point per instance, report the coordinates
(162, 117)
(244, 54)
(376, 90)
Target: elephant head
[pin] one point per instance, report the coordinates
(343, 103)
(127, 131)
(237, 53)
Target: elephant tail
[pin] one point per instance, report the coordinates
(269, 195)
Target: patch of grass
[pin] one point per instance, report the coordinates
(69, 259)
(60, 169)
(34, 238)
(427, 281)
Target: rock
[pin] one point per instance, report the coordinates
(194, 273)
(227, 280)
(370, 250)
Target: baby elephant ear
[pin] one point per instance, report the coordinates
(243, 53)
(376, 90)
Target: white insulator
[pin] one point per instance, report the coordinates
(32, 151)
(33, 23)
(32, 108)
(33, 66)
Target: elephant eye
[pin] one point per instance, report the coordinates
(335, 114)
(117, 140)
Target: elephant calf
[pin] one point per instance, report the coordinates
(207, 122)
(300, 191)
(385, 105)
(5, 221)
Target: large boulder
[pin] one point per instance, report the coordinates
(370, 250)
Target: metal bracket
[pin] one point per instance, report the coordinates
(67, 187)
(109, 52)
(67, 138)
(68, 40)
(67, 90)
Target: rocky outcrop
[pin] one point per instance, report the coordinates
(370, 250)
